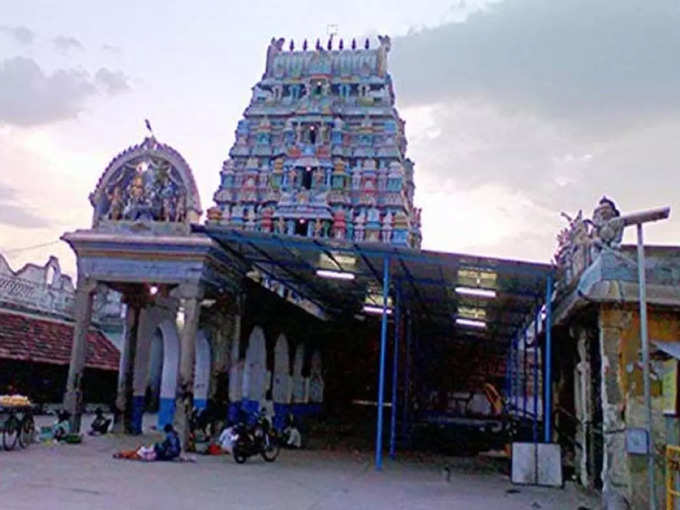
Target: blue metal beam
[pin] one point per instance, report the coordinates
(547, 383)
(395, 371)
(381, 368)
(407, 374)
(535, 344)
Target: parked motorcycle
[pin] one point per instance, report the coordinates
(259, 438)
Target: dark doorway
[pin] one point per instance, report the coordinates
(307, 179)
(301, 228)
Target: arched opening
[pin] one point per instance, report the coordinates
(299, 393)
(153, 389)
(202, 370)
(316, 383)
(170, 366)
(255, 382)
(281, 390)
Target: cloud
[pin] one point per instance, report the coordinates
(114, 82)
(530, 108)
(65, 44)
(573, 58)
(29, 96)
(109, 48)
(13, 213)
(22, 35)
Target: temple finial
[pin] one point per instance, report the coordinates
(341, 44)
(367, 44)
(304, 45)
(291, 45)
(354, 44)
(318, 44)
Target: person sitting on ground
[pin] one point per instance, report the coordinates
(292, 434)
(171, 447)
(226, 439)
(100, 425)
(62, 427)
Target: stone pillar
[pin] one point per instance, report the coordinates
(615, 473)
(123, 412)
(147, 323)
(584, 407)
(191, 301)
(73, 399)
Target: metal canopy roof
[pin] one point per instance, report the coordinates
(426, 281)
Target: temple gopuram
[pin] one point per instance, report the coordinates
(321, 150)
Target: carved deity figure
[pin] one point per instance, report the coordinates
(299, 133)
(166, 209)
(280, 226)
(116, 204)
(180, 208)
(317, 227)
(608, 224)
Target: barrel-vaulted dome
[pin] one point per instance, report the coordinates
(149, 182)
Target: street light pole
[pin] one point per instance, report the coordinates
(638, 219)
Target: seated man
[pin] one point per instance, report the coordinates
(171, 447)
(62, 427)
(100, 425)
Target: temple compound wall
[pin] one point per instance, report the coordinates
(597, 306)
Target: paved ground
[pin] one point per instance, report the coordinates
(87, 477)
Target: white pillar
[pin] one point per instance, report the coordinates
(73, 399)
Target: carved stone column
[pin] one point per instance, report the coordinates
(191, 301)
(73, 399)
(584, 407)
(615, 472)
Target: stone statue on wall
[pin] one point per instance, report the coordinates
(117, 204)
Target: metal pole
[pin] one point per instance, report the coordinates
(524, 375)
(381, 370)
(407, 373)
(547, 384)
(395, 366)
(642, 284)
(535, 343)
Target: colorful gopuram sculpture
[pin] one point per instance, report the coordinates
(321, 151)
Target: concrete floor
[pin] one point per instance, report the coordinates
(86, 476)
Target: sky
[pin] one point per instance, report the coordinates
(515, 110)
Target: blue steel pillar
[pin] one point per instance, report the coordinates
(547, 383)
(535, 345)
(381, 369)
(395, 371)
(407, 374)
(524, 374)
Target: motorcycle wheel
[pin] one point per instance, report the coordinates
(239, 455)
(271, 448)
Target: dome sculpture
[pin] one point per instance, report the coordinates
(149, 183)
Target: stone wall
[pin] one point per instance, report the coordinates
(623, 401)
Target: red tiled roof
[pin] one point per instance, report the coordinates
(25, 338)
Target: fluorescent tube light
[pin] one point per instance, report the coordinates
(472, 291)
(378, 310)
(338, 275)
(471, 323)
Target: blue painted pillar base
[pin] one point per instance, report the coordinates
(250, 408)
(281, 411)
(233, 412)
(200, 403)
(137, 414)
(166, 412)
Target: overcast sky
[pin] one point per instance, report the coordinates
(515, 110)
